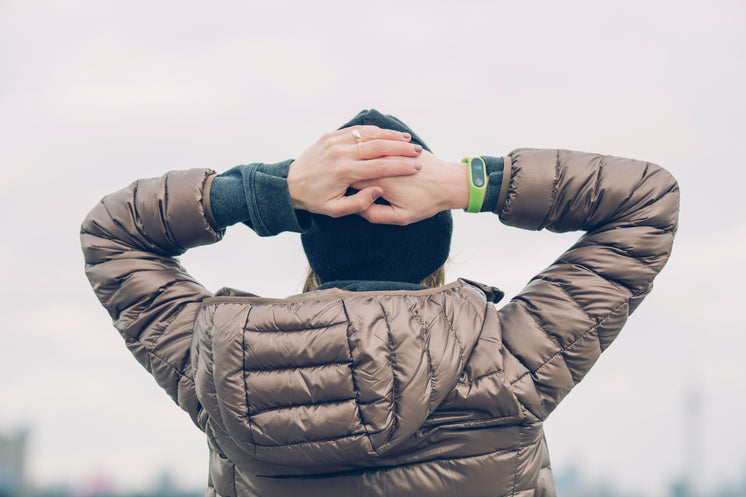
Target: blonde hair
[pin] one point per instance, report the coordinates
(437, 278)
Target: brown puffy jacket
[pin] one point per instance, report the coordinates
(432, 392)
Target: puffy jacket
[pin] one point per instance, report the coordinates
(432, 392)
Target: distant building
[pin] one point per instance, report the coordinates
(12, 464)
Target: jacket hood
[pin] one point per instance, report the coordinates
(332, 379)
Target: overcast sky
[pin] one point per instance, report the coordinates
(94, 94)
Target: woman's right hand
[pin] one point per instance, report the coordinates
(319, 178)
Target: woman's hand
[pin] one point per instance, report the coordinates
(439, 186)
(319, 178)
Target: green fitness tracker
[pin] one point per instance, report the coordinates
(477, 182)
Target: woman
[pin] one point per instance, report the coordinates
(370, 383)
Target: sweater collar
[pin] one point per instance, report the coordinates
(370, 286)
(492, 293)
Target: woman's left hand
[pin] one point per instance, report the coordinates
(439, 186)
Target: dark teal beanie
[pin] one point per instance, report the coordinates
(351, 248)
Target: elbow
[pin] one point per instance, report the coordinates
(660, 205)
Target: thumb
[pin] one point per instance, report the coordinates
(357, 203)
(384, 214)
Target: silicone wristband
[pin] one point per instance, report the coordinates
(477, 182)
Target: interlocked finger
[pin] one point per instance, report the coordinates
(374, 149)
(364, 133)
(384, 167)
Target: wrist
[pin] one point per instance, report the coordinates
(457, 186)
(477, 181)
(293, 188)
(227, 197)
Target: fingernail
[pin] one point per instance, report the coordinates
(418, 148)
(407, 136)
(417, 166)
(376, 195)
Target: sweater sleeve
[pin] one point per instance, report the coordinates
(130, 241)
(494, 166)
(554, 330)
(257, 195)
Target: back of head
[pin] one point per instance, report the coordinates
(351, 248)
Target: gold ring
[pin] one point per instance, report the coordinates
(357, 136)
(360, 149)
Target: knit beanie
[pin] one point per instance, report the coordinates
(351, 248)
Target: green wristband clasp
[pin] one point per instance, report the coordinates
(477, 182)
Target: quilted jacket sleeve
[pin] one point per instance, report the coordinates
(557, 326)
(130, 240)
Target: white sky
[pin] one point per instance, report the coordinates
(95, 94)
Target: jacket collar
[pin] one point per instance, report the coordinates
(493, 294)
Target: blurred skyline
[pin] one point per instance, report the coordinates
(571, 482)
(97, 94)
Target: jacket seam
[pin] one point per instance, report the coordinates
(425, 341)
(571, 344)
(155, 355)
(461, 347)
(163, 206)
(572, 297)
(468, 299)
(186, 360)
(307, 404)
(133, 214)
(218, 418)
(485, 375)
(674, 188)
(621, 224)
(315, 441)
(517, 459)
(351, 330)
(525, 305)
(280, 330)
(490, 422)
(160, 329)
(555, 190)
(245, 374)
(496, 371)
(234, 470)
(624, 206)
(613, 281)
(151, 352)
(564, 291)
(625, 252)
(395, 379)
(597, 186)
(295, 368)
